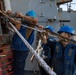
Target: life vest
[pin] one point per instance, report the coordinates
(47, 53)
(63, 60)
(18, 44)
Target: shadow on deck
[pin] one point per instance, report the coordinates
(32, 73)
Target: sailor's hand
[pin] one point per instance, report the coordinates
(34, 21)
(40, 27)
(41, 36)
(19, 15)
(8, 12)
(15, 21)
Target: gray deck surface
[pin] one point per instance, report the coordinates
(31, 73)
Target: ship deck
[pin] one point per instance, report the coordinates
(32, 73)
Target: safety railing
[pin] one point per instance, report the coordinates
(6, 59)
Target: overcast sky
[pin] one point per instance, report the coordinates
(73, 5)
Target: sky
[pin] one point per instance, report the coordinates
(73, 5)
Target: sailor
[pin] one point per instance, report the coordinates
(47, 52)
(20, 50)
(64, 52)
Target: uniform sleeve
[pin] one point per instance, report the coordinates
(50, 43)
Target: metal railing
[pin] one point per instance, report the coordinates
(69, 6)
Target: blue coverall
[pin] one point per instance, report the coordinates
(20, 51)
(47, 55)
